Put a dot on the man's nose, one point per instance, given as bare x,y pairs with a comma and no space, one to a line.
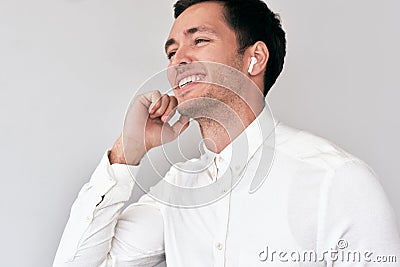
182,56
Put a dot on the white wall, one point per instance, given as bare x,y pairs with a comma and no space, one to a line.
69,68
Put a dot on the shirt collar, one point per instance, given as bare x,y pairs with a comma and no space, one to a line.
247,143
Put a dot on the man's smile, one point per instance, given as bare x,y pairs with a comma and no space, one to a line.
190,79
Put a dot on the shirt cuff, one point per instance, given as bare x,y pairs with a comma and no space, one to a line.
106,175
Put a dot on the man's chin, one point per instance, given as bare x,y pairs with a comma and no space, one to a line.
188,108
198,107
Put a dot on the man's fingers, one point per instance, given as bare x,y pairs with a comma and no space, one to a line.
181,125
163,107
170,110
155,98
162,104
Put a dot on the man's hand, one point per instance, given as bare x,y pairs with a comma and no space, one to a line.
146,127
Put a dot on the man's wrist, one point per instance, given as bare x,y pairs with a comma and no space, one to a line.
116,158
117,155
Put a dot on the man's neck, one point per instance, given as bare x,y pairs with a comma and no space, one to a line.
219,133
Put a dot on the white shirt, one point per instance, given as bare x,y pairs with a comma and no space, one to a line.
314,199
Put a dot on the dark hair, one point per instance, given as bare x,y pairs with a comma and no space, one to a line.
252,21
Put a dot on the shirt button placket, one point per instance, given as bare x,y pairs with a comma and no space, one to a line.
223,206
219,254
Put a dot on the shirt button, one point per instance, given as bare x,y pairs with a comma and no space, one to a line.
218,246
88,219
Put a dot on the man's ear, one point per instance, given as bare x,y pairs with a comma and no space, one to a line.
260,51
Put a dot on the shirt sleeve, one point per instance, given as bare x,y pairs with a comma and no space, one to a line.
98,234
358,224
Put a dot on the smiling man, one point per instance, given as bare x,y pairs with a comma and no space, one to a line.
224,56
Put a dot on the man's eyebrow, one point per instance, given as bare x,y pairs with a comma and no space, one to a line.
169,43
200,29
190,31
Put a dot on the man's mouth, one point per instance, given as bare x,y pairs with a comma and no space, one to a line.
190,79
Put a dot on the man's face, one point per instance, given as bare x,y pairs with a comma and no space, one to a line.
201,34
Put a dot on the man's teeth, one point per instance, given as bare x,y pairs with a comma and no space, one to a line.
188,80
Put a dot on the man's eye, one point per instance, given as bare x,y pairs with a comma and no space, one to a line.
199,41
170,55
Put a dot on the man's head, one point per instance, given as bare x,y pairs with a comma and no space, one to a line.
255,28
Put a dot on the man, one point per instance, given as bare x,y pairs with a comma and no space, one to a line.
316,200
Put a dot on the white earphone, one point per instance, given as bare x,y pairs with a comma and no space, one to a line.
252,63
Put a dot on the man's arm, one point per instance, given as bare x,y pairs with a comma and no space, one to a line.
359,222
97,233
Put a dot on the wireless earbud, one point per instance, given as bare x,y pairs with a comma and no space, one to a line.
252,63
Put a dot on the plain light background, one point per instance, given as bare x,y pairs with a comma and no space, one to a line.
69,68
